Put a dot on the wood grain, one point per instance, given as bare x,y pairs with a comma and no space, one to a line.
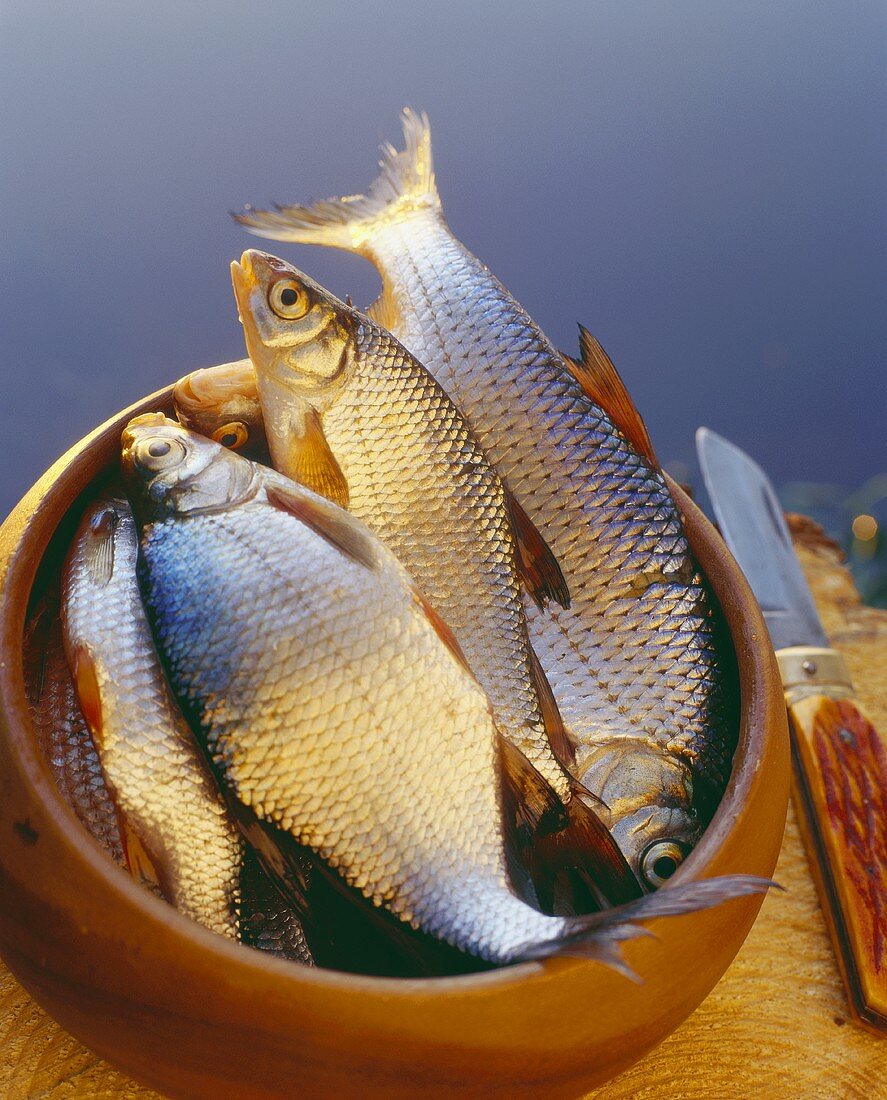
776,1025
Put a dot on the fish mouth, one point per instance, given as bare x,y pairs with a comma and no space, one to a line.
243,279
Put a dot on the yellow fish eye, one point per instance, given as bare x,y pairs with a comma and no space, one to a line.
660,861
233,435
288,299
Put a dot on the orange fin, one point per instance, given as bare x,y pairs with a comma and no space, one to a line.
325,519
601,382
86,683
567,851
536,564
562,744
532,807
141,865
590,859
314,464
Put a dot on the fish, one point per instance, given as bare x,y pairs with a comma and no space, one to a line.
348,412
638,658
265,920
177,835
335,708
222,402
62,733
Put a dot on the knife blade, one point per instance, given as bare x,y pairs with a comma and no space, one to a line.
840,760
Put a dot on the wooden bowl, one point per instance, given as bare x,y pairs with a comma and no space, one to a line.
194,1015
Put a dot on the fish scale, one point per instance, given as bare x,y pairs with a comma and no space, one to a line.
147,751
399,792
624,504
416,475
62,731
661,635
295,790
640,612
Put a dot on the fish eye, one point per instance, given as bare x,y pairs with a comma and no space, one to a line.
288,299
159,453
233,435
660,861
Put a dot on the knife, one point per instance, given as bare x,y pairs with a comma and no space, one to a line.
840,761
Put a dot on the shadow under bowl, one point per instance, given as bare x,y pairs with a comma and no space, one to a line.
195,1015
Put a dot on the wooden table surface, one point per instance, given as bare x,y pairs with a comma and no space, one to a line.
775,1026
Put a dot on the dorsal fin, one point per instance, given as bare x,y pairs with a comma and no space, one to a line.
601,382
327,520
384,310
536,564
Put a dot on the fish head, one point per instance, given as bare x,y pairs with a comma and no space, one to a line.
171,470
297,334
649,795
222,403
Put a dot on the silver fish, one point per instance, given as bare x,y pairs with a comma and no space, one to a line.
265,920
62,732
333,706
354,416
177,833
641,678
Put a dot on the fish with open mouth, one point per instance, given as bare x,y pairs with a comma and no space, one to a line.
337,708
635,654
222,403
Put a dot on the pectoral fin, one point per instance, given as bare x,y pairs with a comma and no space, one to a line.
313,463
562,744
331,523
568,852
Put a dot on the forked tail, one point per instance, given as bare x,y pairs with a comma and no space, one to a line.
405,183
599,935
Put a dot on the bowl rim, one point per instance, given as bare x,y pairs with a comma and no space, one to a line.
755,729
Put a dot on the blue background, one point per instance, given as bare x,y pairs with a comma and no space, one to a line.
701,183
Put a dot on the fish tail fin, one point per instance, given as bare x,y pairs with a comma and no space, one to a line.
599,935
405,182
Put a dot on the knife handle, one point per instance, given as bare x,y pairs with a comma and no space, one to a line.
841,783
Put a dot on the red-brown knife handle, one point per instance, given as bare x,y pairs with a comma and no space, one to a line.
842,780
